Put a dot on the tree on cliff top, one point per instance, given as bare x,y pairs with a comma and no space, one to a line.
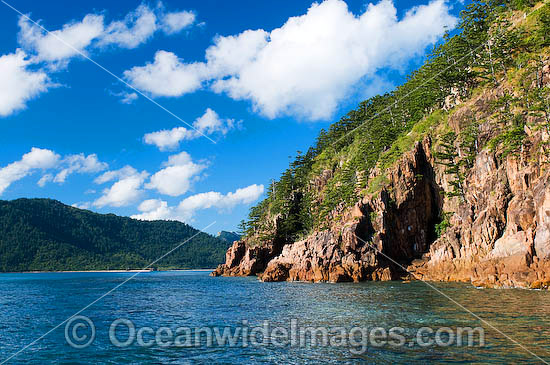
480,52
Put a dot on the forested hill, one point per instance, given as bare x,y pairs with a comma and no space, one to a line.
495,39
229,236
44,234
446,178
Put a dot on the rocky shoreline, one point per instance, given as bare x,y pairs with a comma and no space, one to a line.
498,234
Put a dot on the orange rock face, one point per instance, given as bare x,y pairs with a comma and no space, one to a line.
498,234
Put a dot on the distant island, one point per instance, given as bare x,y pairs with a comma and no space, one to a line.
46,235
229,236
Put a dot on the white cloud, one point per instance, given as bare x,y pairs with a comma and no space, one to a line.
178,175
229,55
107,176
155,209
309,65
44,159
175,22
60,44
18,84
210,123
182,158
36,159
50,52
217,200
128,98
167,75
136,28
312,62
207,124
126,190
85,205
125,97
168,139
80,164
44,180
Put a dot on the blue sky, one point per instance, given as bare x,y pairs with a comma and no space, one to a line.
246,74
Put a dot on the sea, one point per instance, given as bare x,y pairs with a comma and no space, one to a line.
188,317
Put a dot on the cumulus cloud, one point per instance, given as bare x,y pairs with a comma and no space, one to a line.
231,54
167,75
18,84
155,209
44,180
84,205
59,44
136,28
44,160
175,22
128,98
125,97
50,52
177,176
309,65
127,189
107,176
217,200
208,124
168,139
79,164
36,159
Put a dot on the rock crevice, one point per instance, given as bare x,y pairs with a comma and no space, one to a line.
398,221
498,234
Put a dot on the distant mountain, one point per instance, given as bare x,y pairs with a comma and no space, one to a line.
229,236
44,234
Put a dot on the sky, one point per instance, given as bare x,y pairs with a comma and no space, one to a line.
185,110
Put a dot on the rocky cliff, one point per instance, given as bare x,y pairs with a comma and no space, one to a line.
498,234
483,217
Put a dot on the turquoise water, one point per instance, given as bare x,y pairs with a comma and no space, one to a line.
33,304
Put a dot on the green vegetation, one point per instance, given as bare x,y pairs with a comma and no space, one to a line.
509,141
406,142
43,234
457,153
333,173
469,143
229,236
448,156
445,223
511,126
543,31
377,184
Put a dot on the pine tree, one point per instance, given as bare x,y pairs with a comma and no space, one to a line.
448,156
543,32
469,144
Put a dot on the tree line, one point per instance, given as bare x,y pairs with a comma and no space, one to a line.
44,234
483,49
